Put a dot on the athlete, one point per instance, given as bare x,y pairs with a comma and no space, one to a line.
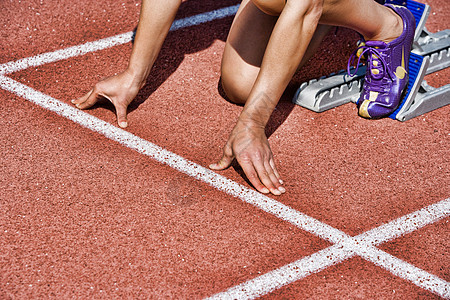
267,43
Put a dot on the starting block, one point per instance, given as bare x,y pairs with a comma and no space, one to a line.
431,53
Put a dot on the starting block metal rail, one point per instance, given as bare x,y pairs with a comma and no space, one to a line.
436,46
431,53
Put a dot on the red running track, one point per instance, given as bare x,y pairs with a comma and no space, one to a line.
87,217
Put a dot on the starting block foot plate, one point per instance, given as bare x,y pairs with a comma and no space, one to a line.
420,98
431,53
417,69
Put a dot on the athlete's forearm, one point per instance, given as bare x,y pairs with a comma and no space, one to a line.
286,48
155,19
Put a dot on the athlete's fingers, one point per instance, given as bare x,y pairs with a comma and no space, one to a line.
274,168
222,164
273,177
81,99
90,101
253,176
225,161
121,112
265,175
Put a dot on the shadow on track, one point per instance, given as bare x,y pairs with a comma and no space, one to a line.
197,38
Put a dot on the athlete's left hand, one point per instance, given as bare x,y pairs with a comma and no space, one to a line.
249,145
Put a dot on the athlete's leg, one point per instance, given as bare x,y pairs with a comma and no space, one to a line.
252,28
369,18
389,41
246,44
385,25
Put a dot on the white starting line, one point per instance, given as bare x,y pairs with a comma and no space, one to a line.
344,246
120,39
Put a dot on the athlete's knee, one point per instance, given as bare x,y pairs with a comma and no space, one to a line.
235,91
236,87
270,7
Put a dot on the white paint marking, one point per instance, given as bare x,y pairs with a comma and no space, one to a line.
109,42
406,271
289,273
62,54
344,248
362,245
408,223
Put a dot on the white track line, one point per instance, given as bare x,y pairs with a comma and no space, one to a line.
109,42
345,246
362,245
328,257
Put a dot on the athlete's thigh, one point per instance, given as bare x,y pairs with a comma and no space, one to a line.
245,47
247,41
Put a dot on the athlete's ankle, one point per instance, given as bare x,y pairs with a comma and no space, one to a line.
391,29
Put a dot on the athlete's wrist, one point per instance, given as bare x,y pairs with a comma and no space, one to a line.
136,76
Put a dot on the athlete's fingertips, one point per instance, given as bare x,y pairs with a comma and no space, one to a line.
82,105
276,192
82,99
265,178
121,112
261,188
268,183
264,190
76,102
278,186
274,168
252,176
275,189
223,163
274,177
89,102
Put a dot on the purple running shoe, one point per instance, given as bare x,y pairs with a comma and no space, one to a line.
386,76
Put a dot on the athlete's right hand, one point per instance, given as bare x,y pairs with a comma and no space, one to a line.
120,89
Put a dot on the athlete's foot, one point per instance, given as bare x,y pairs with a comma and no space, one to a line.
387,69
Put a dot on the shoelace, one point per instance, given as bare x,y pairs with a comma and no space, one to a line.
374,61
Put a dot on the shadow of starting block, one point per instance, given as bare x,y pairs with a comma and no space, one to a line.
431,53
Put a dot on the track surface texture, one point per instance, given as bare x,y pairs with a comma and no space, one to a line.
92,211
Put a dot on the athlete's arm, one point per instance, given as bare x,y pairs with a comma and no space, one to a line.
286,48
155,19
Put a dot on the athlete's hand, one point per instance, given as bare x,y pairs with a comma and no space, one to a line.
120,90
250,147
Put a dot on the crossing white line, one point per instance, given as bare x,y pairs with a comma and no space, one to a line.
328,257
362,245
344,248
109,42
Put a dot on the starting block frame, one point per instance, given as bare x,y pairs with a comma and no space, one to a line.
431,53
